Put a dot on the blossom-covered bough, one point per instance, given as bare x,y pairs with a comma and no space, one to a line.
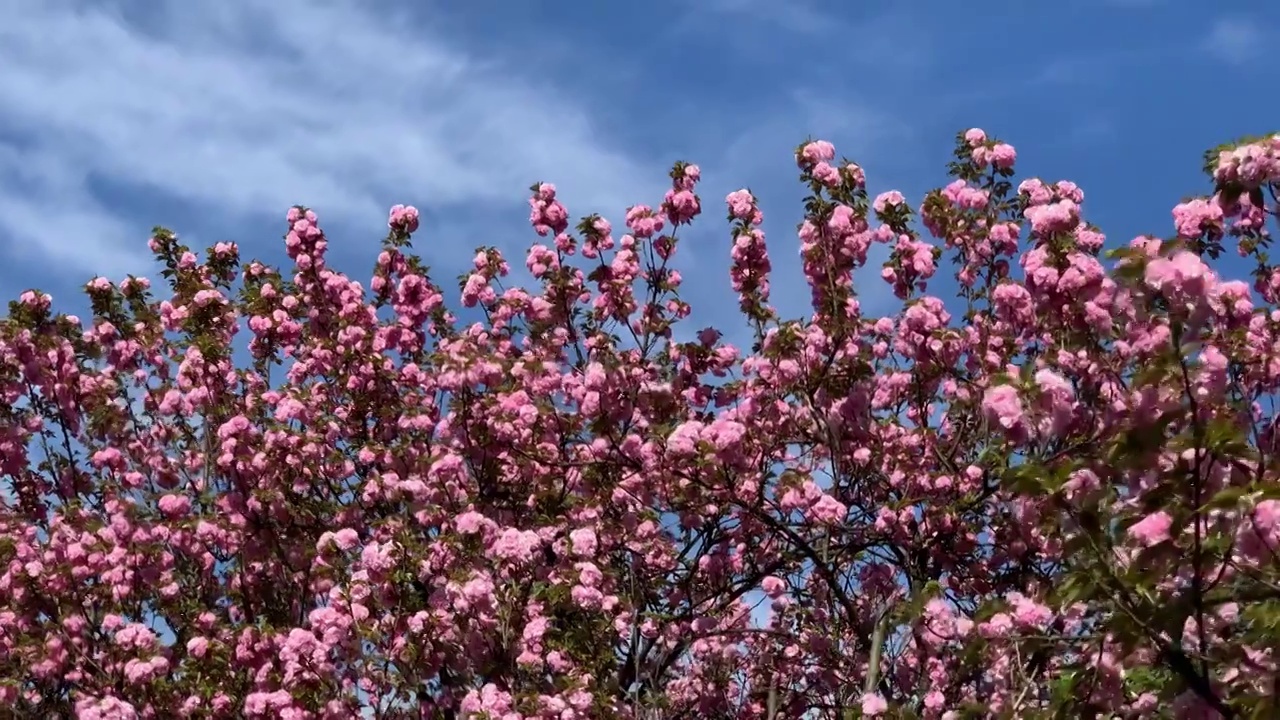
287,495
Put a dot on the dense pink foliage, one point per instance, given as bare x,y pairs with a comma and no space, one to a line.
1055,491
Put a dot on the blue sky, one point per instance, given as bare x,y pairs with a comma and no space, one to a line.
212,118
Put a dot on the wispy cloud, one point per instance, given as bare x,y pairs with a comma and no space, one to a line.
239,109
1234,40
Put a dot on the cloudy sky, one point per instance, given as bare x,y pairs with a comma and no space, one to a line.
212,118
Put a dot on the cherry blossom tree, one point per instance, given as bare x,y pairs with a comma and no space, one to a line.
270,493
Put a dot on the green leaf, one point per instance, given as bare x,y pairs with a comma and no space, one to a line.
1227,499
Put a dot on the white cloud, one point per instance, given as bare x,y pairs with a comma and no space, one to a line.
244,108
1234,40
46,211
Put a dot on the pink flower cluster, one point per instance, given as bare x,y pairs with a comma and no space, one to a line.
1048,491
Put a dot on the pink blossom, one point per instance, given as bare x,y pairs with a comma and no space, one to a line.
1152,529
281,491
874,704
1003,406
